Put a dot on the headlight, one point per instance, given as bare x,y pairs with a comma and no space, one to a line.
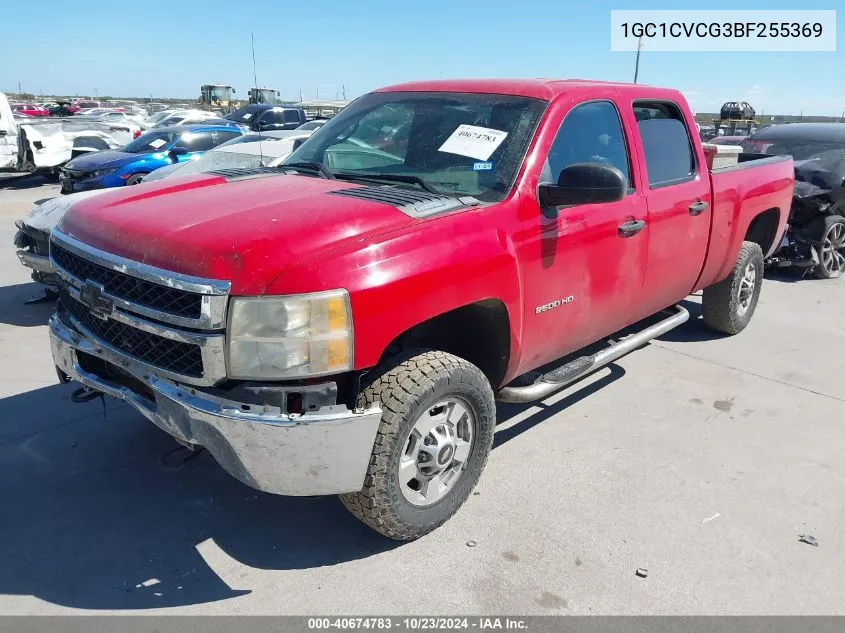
297,336
101,173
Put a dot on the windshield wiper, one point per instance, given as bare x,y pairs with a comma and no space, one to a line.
317,167
412,180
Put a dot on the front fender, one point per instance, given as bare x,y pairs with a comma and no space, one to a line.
401,279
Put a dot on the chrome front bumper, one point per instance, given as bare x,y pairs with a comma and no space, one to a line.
317,453
38,263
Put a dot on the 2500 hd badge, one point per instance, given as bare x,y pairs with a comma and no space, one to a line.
554,304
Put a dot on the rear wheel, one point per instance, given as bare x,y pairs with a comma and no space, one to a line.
831,235
729,305
435,436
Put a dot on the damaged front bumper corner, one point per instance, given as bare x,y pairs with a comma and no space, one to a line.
37,263
321,452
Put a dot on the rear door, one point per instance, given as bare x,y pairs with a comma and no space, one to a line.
584,268
292,119
679,203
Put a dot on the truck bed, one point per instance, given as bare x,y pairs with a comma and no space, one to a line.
756,183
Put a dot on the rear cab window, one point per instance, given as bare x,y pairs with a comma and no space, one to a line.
669,154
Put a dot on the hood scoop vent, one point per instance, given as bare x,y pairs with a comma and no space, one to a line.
233,174
416,204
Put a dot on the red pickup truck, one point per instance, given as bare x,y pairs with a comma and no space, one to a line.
345,323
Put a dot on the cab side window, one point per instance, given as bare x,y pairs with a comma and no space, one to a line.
666,142
590,133
197,141
271,118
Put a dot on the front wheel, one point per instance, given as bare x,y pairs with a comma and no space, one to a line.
134,179
436,432
729,305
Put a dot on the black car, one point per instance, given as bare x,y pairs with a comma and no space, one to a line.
263,117
816,236
736,110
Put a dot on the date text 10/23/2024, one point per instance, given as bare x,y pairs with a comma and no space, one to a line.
417,623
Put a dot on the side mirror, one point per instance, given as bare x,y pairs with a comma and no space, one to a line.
297,143
176,152
584,183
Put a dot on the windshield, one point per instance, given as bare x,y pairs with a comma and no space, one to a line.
150,142
455,143
311,125
799,149
265,96
159,116
221,93
242,115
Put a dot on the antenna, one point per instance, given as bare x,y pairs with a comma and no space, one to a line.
255,79
637,64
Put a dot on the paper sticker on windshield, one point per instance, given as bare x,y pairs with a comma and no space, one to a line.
488,166
157,143
473,141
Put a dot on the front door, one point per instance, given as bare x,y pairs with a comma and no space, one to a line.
584,267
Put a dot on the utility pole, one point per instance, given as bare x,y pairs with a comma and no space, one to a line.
637,63
344,92
19,89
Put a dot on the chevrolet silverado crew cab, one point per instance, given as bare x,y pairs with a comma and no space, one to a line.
344,323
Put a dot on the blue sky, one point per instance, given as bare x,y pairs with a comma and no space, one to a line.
170,48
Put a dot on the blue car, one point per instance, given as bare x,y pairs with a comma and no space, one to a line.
156,148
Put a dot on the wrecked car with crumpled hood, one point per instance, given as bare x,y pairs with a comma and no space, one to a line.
815,240
38,145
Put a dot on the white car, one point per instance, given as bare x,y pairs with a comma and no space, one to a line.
244,152
185,117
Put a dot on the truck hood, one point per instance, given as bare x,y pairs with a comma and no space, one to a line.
244,231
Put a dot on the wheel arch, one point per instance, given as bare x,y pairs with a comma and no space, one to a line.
763,230
479,332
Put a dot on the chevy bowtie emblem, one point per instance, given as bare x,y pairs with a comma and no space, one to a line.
91,294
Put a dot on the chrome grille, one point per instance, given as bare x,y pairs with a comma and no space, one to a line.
132,289
159,321
172,356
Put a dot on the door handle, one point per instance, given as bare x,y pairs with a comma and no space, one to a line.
698,207
631,228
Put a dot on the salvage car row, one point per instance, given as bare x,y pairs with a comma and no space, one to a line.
44,144
341,318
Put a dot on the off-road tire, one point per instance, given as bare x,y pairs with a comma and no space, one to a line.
134,179
720,304
819,228
405,387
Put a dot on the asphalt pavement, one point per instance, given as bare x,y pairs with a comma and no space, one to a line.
699,458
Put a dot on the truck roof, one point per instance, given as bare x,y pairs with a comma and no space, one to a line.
546,89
